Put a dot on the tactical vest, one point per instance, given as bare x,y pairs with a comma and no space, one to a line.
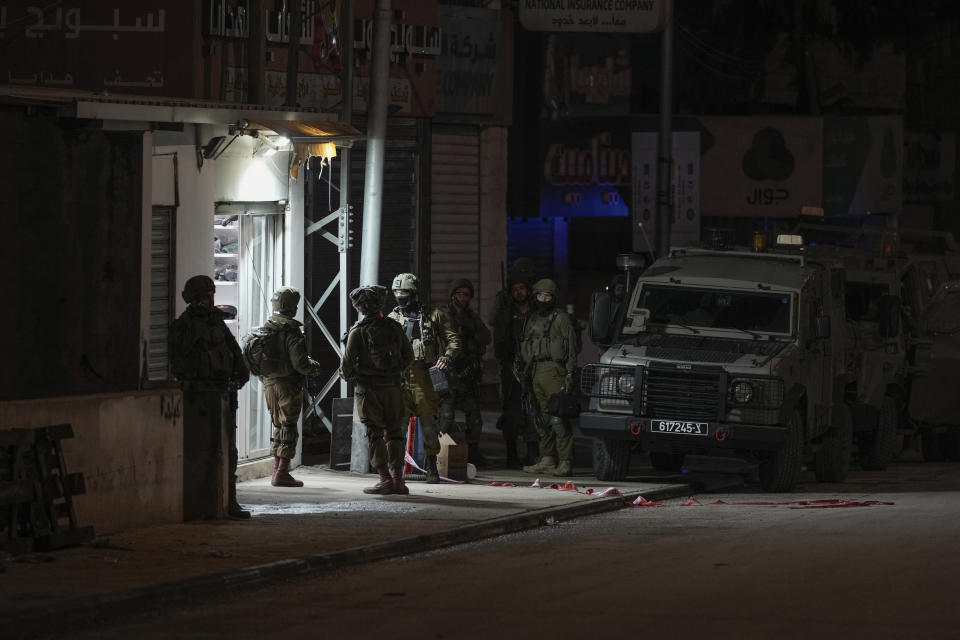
202,347
422,334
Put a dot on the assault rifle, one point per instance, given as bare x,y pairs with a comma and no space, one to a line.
527,400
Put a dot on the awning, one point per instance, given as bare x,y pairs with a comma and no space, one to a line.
307,130
300,125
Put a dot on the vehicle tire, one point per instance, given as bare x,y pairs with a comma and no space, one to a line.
667,461
876,449
930,445
780,470
611,458
832,462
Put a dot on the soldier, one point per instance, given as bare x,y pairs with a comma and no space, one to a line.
507,331
550,346
434,343
283,385
374,359
467,368
206,359
522,268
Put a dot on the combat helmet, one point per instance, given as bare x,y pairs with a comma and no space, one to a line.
196,288
460,283
285,300
368,299
405,281
546,285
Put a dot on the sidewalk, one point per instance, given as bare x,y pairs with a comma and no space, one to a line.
329,523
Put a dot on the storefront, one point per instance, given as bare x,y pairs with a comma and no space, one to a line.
132,197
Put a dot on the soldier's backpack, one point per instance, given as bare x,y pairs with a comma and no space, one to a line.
261,350
380,337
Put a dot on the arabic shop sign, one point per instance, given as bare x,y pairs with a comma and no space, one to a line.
625,16
585,173
129,46
473,77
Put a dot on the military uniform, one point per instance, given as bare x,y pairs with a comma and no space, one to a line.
206,359
433,341
432,338
507,331
377,378
283,387
550,347
467,369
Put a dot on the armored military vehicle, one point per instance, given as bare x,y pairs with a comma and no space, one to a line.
931,303
876,348
903,317
727,352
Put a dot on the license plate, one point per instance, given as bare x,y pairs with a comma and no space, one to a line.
680,427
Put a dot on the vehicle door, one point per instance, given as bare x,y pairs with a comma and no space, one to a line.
936,359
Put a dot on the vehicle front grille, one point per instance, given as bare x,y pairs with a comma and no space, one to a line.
693,356
682,394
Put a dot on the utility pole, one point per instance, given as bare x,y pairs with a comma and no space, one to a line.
665,141
346,112
376,139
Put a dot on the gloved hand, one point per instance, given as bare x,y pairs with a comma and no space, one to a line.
443,363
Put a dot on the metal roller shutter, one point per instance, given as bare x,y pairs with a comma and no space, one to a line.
161,292
455,210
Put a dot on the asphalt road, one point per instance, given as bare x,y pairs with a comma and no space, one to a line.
712,570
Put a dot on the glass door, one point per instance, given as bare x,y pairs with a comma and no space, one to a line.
260,273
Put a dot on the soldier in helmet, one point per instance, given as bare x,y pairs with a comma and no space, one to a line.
550,347
520,270
507,331
206,359
375,356
283,386
434,343
467,368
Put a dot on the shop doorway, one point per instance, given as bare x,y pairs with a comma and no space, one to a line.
248,268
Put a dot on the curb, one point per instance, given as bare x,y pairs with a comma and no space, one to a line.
83,611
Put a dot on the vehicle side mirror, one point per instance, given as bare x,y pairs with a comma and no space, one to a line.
600,316
821,327
889,316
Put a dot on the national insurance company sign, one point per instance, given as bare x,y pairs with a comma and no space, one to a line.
624,16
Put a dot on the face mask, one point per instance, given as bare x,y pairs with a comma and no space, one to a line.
404,300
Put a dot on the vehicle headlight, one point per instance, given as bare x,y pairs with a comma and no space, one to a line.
742,391
625,384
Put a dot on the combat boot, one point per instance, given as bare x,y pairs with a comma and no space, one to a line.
385,486
546,465
433,476
282,477
564,468
399,487
513,460
533,452
234,510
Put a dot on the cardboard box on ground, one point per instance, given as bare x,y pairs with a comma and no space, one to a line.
452,461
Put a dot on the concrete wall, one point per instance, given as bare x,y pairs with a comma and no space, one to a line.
128,447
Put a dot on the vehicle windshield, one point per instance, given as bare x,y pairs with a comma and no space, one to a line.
716,308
